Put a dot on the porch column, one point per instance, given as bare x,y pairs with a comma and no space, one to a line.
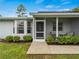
15,25
33,30
45,28
25,27
56,26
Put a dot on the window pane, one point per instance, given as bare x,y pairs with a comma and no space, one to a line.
54,26
28,27
28,23
60,26
28,31
20,31
20,27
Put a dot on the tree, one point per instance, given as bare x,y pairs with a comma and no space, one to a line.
21,10
0,15
76,9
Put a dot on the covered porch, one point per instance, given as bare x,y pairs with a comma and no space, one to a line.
62,26
45,24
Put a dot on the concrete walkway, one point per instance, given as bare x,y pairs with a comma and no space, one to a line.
38,48
43,48
64,49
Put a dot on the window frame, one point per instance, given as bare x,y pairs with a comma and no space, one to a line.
18,28
54,26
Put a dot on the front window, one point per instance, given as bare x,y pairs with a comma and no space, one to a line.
28,27
20,27
60,26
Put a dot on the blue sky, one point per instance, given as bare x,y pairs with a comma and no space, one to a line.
8,7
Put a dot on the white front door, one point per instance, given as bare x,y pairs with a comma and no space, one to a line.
40,30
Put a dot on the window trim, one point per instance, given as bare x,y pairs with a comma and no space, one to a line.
18,27
25,27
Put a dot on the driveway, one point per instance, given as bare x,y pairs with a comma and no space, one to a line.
43,48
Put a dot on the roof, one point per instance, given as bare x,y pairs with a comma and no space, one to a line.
16,18
58,12
55,13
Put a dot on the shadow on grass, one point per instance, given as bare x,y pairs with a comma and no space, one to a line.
53,56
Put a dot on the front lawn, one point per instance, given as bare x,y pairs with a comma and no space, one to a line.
18,51
13,50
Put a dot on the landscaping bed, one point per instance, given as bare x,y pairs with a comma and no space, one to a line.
17,39
63,40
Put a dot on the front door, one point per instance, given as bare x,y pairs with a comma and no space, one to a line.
40,30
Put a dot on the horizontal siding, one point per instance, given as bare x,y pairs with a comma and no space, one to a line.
6,28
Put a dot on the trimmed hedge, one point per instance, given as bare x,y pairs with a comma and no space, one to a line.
16,38
9,38
75,39
68,39
12,38
28,38
63,40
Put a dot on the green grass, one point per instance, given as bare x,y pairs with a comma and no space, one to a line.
18,51
13,50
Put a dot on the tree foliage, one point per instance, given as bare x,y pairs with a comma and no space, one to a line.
0,15
75,9
21,10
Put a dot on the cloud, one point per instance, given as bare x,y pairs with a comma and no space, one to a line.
43,9
49,6
39,1
64,3
65,9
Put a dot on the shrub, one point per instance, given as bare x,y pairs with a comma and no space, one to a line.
50,39
16,38
64,40
9,38
75,39
27,38
61,40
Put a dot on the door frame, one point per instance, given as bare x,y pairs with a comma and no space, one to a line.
44,30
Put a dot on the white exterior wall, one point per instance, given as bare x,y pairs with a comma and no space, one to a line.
75,26
66,25
69,25
6,28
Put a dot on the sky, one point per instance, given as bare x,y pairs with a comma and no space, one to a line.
8,7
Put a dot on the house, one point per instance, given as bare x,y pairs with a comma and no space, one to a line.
40,25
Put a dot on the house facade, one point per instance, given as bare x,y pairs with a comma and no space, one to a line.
40,25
